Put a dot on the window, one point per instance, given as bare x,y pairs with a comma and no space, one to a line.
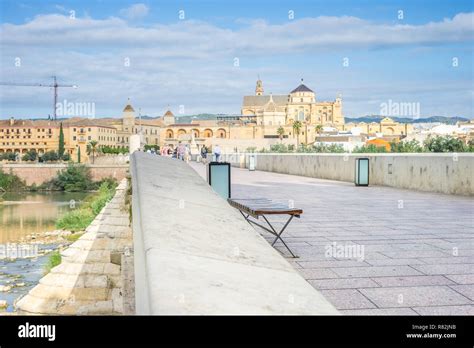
74,138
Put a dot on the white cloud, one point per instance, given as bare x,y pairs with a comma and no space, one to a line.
191,62
136,11
303,35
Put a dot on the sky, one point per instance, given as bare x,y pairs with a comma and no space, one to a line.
203,56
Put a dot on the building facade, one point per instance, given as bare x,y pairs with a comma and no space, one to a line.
264,120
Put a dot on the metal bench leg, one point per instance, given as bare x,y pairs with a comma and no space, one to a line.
278,234
246,217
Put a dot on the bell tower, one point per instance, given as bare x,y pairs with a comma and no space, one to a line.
128,117
259,87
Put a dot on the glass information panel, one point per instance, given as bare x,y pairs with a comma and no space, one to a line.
219,178
362,172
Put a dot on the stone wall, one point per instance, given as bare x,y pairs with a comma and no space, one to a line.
112,159
94,274
39,173
436,172
195,254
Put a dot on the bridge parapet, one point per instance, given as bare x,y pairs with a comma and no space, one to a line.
194,254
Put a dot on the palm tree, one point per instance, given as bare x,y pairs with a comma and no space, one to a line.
318,129
297,128
280,132
91,148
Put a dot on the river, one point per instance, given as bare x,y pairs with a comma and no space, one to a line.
22,215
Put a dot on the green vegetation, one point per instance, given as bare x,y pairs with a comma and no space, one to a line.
53,260
61,141
92,149
297,129
11,182
318,129
303,148
74,236
406,146
322,148
113,150
8,156
75,178
371,148
50,156
432,144
151,147
251,149
447,144
79,219
30,156
280,132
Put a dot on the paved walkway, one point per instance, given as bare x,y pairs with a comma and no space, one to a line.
414,251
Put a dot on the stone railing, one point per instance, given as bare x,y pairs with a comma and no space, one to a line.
450,173
194,254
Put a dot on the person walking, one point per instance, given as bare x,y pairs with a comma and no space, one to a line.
187,153
217,152
181,151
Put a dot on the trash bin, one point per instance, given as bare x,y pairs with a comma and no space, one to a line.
362,172
252,162
218,176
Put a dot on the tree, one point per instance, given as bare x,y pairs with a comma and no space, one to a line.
8,156
406,146
444,144
297,128
92,148
318,129
280,132
61,141
371,148
30,156
79,154
76,177
50,156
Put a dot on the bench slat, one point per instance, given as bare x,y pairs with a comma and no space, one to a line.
262,206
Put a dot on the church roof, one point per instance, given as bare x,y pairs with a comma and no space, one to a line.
168,113
128,108
261,100
301,88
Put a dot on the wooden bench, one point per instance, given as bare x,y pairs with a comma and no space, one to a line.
261,207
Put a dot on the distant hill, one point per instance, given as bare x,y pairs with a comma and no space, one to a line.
441,119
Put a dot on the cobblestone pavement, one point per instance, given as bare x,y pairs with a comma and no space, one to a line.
374,250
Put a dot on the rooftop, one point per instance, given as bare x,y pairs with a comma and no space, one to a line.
301,88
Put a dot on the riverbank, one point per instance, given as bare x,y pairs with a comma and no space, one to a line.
24,259
96,272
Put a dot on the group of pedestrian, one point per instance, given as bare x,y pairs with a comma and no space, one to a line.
216,152
183,152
